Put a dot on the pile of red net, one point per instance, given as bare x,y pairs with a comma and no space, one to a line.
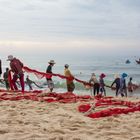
109,103
110,106
36,96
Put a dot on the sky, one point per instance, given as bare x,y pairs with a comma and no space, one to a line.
70,27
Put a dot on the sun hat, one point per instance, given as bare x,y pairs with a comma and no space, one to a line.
66,65
93,74
124,75
102,75
116,75
10,57
51,62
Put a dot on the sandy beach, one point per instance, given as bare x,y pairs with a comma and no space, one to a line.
69,48
37,120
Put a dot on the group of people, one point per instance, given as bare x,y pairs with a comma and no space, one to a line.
16,67
121,86
69,81
98,85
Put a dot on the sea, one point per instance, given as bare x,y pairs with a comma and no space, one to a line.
81,68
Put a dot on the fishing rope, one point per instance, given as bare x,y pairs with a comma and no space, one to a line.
41,75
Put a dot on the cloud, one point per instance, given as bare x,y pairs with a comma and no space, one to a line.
41,19
70,48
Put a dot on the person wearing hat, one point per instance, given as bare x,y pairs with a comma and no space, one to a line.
69,81
16,67
123,88
102,84
49,79
117,83
95,82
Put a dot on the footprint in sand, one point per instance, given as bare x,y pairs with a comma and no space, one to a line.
135,138
3,131
73,128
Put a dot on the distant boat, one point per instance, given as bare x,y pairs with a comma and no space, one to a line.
127,61
138,61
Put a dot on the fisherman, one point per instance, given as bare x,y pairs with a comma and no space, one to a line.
0,67
29,82
69,82
130,85
49,79
16,67
5,77
123,89
96,86
102,84
117,83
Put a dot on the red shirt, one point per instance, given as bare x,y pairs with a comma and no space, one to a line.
16,66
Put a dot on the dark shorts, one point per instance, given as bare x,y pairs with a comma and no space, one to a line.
71,87
50,84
